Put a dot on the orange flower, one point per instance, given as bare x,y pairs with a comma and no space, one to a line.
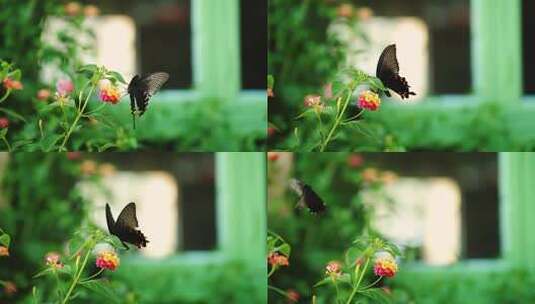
4,251
43,94
275,259
369,100
72,8
109,92
370,175
88,167
10,288
91,11
107,169
11,84
108,260
385,265
345,10
273,156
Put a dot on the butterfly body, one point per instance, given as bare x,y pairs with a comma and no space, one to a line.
388,72
141,89
308,197
125,226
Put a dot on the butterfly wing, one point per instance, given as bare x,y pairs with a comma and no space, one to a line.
141,90
109,219
312,200
388,72
307,197
125,227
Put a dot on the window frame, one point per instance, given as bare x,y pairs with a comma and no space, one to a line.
516,173
241,229
216,75
496,52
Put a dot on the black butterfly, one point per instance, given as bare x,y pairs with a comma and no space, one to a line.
307,197
141,89
125,226
388,72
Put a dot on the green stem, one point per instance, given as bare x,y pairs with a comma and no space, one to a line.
372,284
356,287
59,289
337,121
337,290
278,290
4,139
93,276
8,91
272,271
80,113
77,277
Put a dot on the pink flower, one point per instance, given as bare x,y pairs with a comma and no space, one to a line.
369,100
107,260
12,84
53,259
385,265
4,251
108,92
43,94
334,268
293,295
312,101
355,160
64,87
4,122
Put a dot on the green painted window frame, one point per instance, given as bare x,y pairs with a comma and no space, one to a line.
241,232
216,76
517,194
497,92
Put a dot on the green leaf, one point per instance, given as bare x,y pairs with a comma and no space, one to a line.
102,288
325,281
270,81
88,67
13,114
377,294
43,273
5,240
117,76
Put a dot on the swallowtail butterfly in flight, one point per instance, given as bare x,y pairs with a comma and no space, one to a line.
388,72
307,197
125,226
141,89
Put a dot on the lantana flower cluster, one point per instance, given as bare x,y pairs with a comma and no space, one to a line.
107,259
369,100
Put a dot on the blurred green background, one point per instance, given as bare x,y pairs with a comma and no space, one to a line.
460,219
206,233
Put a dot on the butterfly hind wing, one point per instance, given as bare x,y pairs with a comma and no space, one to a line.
313,201
388,72
125,227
